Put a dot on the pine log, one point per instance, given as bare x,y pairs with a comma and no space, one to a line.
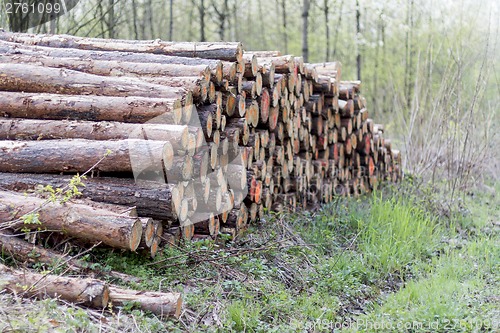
27,129
282,64
80,221
104,67
150,198
182,63
78,155
23,251
30,78
162,304
87,292
94,108
229,51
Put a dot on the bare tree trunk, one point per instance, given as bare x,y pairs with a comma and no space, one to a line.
102,19
111,18
235,20
326,11
134,18
358,32
191,20
305,24
339,24
376,66
171,22
285,31
52,23
262,24
222,15
148,17
384,60
201,10
409,56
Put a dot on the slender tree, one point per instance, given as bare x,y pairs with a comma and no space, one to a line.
110,22
339,26
285,31
149,17
221,14
305,24
409,55
202,12
358,36
171,20
376,69
134,18
326,12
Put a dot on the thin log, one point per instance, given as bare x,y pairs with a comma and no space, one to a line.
23,251
229,51
104,67
216,66
89,292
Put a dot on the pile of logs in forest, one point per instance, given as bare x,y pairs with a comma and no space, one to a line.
171,130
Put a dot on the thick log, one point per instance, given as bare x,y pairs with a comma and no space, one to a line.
87,292
200,89
229,51
27,129
92,108
80,221
282,64
331,69
251,65
150,198
75,155
30,78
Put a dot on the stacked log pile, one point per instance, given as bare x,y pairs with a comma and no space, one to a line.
183,140
238,131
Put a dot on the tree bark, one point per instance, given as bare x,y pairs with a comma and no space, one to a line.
140,58
26,129
105,67
79,221
358,33
284,23
23,251
92,108
87,292
162,304
38,79
305,24
78,155
326,11
229,51
171,21
151,199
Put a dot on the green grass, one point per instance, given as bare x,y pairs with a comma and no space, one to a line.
399,257
396,234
